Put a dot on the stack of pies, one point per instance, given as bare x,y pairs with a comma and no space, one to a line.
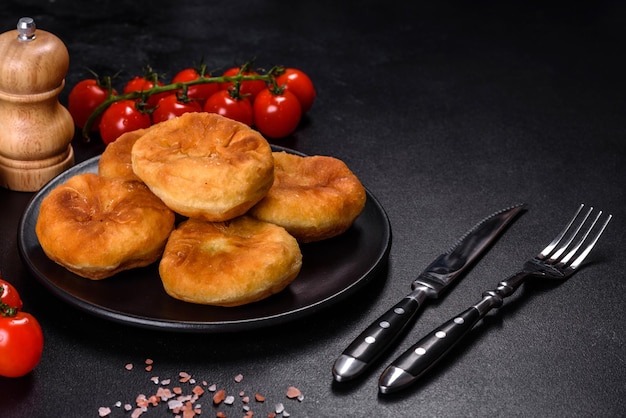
243,210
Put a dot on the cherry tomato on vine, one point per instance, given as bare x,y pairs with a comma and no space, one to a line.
224,104
9,295
142,84
249,88
170,107
83,99
199,92
21,344
276,115
122,117
298,83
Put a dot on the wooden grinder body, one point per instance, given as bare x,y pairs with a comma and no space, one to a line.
35,129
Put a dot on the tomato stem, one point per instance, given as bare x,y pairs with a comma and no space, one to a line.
7,311
269,78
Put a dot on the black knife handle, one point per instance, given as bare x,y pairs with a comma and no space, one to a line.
425,353
377,338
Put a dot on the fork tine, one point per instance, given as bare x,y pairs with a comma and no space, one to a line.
550,248
590,245
580,241
558,253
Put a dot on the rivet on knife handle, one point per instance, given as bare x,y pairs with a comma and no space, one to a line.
430,284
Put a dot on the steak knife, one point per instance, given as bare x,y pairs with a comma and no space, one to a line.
430,284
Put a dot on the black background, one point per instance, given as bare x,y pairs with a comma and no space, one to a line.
447,111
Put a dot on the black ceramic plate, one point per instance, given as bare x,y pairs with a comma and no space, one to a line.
332,270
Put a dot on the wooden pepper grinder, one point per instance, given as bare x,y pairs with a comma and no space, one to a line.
35,129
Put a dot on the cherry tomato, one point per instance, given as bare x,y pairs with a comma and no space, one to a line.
276,115
9,295
300,85
142,84
121,117
21,344
199,92
249,88
170,107
224,104
83,99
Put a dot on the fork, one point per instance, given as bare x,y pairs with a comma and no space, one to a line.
558,261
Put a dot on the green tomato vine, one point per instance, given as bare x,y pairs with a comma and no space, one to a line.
268,77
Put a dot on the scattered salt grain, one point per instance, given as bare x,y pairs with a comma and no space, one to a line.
279,408
239,378
229,400
185,398
259,398
129,366
164,394
118,404
219,396
198,391
293,392
174,403
213,388
141,400
103,411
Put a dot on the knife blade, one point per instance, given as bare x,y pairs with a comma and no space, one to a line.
430,284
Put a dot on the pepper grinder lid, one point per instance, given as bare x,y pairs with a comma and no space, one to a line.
33,60
26,29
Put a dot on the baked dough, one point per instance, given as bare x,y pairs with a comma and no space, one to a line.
228,263
313,198
96,226
115,161
206,166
